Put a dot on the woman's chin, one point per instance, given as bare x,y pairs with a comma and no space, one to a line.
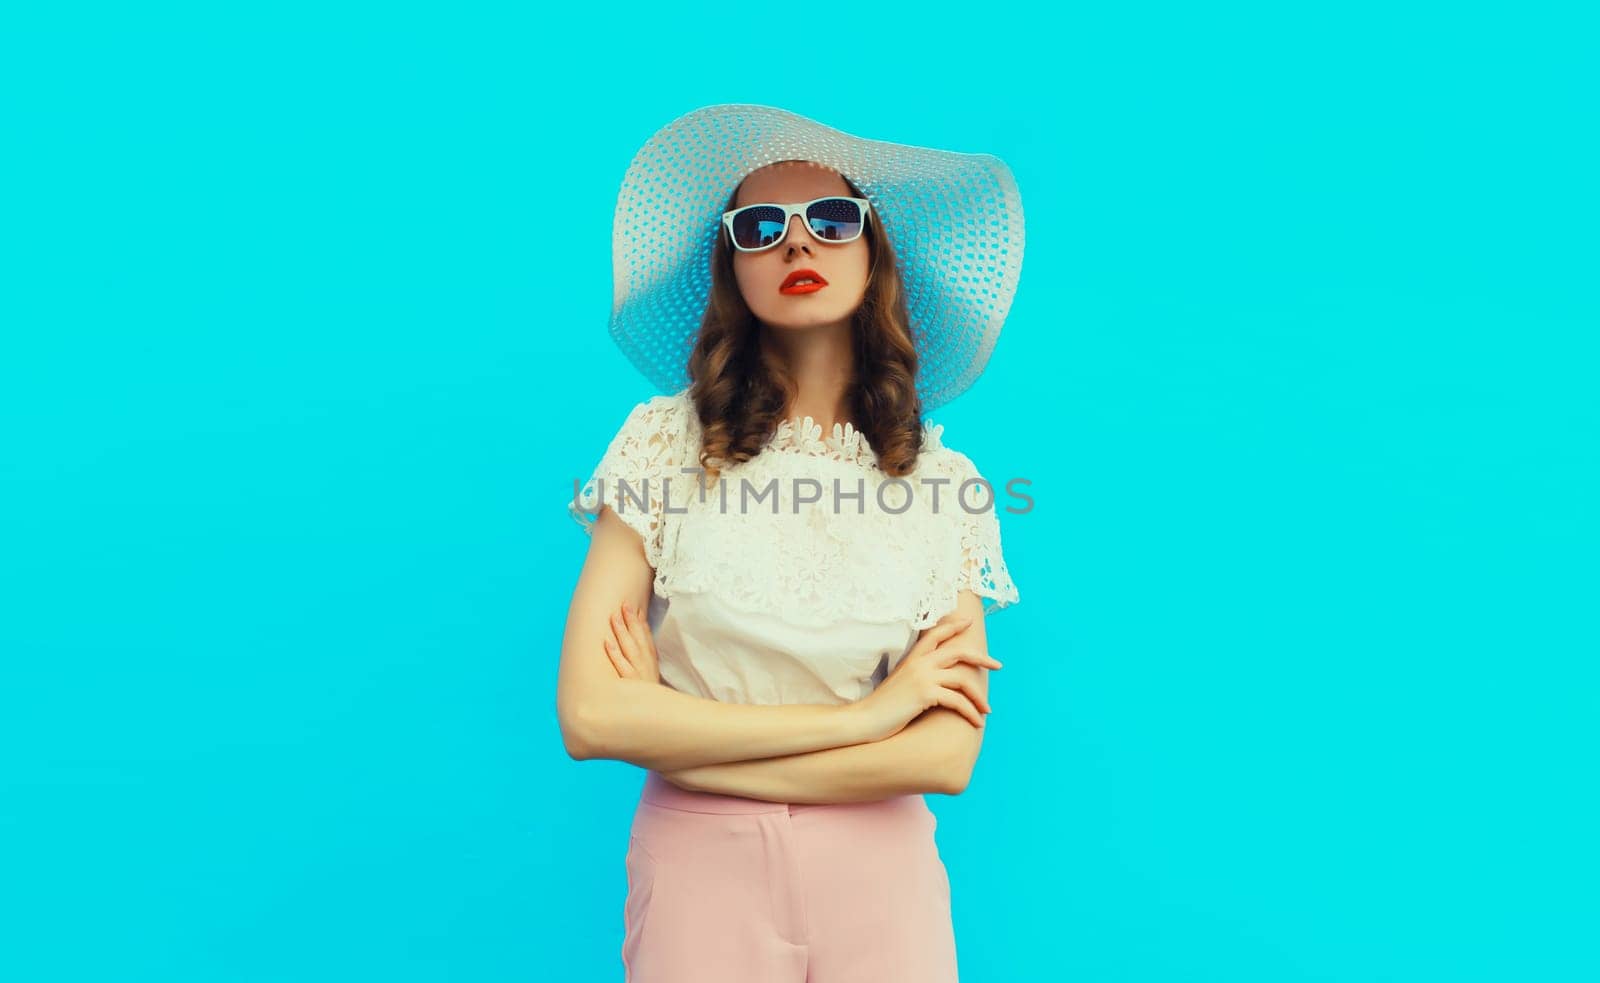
803,320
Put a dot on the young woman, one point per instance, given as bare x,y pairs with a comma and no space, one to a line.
781,612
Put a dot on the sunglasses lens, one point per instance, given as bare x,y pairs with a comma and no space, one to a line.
757,226
835,219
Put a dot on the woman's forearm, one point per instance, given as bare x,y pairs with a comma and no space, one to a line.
933,753
656,727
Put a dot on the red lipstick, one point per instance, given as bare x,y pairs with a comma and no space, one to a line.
792,285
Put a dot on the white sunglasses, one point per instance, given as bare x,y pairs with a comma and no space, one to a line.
834,219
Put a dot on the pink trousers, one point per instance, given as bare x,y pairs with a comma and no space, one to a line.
723,889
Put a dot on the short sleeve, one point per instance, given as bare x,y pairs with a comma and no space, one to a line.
983,566
632,474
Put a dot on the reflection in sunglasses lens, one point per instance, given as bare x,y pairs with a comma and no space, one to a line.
834,218
758,226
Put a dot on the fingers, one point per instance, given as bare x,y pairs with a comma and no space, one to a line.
945,629
624,640
972,656
618,661
957,621
638,626
941,631
955,625
967,686
959,702
622,634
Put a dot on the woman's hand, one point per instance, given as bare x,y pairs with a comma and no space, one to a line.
630,646
927,677
685,778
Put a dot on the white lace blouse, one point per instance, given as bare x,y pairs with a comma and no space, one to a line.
804,574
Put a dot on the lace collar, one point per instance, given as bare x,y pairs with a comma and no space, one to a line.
843,443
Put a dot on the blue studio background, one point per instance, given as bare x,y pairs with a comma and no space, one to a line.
303,312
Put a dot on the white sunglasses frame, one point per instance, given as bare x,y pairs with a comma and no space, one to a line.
789,212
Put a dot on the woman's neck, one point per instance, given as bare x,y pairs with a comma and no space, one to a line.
821,360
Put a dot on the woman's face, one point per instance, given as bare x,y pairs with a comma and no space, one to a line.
842,266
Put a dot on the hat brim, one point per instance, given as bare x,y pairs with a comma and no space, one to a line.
955,220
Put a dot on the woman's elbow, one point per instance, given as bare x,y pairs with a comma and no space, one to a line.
581,731
954,777
957,766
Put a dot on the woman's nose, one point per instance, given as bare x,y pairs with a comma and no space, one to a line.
799,233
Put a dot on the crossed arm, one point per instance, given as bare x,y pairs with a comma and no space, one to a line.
936,752
793,753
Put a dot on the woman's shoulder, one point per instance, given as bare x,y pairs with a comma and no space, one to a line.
982,568
663,407
659,425
939,457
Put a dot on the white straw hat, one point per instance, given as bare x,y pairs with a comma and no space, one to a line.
955,220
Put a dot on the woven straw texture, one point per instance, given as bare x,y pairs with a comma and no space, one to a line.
955,220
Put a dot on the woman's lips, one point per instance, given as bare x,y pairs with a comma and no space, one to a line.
803,288
790,286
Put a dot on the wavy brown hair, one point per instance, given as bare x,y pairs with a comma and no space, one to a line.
740,385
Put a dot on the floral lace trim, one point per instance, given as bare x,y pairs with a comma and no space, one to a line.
983,571
843,442
810,569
